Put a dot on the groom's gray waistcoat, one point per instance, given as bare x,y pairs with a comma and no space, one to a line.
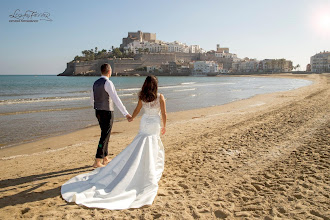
102,100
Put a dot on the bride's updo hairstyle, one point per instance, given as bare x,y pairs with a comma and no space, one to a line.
149,89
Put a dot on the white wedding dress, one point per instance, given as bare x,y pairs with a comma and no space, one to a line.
130,180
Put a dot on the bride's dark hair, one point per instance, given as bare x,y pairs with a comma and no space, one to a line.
149,89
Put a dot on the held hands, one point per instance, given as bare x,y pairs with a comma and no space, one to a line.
163,130
129,118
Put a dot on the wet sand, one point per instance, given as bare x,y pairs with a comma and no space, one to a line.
266,157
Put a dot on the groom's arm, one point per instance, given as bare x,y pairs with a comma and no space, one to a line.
110,88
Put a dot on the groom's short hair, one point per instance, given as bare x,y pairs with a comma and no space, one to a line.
105,68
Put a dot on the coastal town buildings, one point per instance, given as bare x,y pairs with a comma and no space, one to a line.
224,53
247,65
177,47
204,67
138,47
173,68
231,56
222,56
195,49
276,65
320,62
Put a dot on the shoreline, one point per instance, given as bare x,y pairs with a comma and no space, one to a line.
25,139
266,157
19,147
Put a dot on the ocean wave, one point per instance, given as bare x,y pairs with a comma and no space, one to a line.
168,87
79,92
129,89
182,90
227,83
18,94
44,110
44,99
128,94
187,83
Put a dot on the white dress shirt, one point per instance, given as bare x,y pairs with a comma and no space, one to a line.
110,89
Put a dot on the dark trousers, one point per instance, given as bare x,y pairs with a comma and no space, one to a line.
105,119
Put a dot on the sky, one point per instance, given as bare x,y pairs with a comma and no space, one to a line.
272,29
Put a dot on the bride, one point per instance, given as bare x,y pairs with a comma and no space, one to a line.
130,180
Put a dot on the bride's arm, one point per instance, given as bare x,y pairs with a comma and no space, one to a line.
137,109
163,110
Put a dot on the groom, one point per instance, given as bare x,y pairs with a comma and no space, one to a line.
103,97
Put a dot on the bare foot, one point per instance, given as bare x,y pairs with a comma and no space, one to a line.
98,163
105,161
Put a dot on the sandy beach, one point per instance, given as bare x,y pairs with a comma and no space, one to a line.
266,157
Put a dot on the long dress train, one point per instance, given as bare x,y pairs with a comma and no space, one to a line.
130,180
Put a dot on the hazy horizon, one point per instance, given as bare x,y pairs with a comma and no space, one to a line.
294,30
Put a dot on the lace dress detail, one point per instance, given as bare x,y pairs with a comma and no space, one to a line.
152,108
150,121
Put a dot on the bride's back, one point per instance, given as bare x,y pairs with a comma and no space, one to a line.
150,121
152,108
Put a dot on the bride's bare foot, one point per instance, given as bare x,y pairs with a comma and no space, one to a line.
105,161
98,163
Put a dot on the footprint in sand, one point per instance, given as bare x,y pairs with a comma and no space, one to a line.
25,210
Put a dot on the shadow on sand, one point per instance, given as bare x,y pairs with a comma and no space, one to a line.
28,195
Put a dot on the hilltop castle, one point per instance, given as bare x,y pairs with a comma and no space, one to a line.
138,36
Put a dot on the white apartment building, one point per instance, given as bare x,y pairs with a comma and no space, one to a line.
203,67
266,65
225,55
275,65
249,66
176,46
194,49
320,62
246,66
133,47
161,47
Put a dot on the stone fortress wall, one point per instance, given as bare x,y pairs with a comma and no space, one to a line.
86,68
121,65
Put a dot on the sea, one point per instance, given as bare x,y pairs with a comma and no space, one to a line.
38,106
